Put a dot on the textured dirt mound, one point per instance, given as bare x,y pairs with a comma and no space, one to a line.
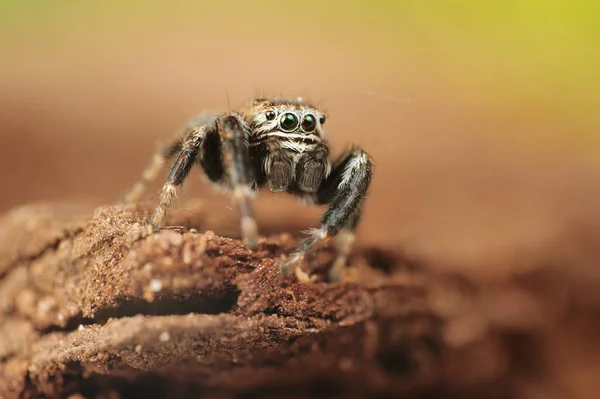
94,305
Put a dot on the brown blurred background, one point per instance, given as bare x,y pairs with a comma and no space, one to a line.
481,117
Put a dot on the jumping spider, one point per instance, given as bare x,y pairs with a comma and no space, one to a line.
277,142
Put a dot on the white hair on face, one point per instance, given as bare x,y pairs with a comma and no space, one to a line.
267,164
262,125
298,146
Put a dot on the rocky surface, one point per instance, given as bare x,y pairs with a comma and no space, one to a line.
93,305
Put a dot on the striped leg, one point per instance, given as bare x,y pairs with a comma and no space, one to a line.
189,149
236,161
344,242
344,191
162,156
159,159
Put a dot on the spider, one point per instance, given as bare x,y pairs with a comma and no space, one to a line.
279,143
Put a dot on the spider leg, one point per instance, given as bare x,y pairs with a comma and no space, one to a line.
236,160
163,154
344,242
189,149
151,171
344,191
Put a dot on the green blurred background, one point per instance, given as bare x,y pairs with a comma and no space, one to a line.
87,88
495,53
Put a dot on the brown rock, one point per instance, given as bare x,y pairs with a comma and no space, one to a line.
95,306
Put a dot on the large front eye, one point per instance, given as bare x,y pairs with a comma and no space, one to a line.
309,123
288,122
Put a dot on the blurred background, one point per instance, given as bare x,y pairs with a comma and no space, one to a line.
478,114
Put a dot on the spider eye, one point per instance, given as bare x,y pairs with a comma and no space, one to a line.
288,122
309,123
322,120
270,115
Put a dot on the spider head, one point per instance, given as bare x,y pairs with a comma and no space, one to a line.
277,115
292,133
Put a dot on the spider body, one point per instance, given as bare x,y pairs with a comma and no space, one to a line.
277,143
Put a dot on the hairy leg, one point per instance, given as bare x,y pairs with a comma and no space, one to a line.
236,161
162,156
344,191
149,174
179,170
344,242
